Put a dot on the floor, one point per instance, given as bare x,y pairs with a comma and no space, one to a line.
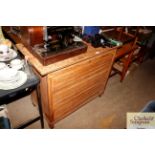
108,111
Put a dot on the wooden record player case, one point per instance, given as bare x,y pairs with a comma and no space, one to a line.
33,35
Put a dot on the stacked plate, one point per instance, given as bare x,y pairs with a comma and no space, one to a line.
3,65
11,78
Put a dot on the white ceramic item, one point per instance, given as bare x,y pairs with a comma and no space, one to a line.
9,56
4,50
12,85
8,74
3,65
16,64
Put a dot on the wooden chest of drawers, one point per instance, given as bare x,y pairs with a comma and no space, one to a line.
71,87
69,84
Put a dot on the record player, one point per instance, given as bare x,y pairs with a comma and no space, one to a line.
50,43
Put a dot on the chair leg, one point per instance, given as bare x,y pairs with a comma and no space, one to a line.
141,55
125,68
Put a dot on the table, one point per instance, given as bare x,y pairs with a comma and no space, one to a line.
7,96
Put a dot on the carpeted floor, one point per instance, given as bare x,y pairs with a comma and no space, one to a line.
108,111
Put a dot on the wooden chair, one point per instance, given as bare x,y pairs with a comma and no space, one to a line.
129,52
124,57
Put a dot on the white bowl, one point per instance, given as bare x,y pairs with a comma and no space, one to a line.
16,64
8,74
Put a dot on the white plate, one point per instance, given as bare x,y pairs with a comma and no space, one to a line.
3,65
11,80
8,74
18,83
11,55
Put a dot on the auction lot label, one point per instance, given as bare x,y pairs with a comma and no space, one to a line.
141,120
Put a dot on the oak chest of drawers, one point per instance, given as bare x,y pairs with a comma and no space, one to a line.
69,84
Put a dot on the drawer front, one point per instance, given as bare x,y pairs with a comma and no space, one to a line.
76,85
74,104
73,91
71,75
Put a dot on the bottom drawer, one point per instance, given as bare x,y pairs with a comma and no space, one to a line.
69,106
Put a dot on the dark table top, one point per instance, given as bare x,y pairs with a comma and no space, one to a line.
32,81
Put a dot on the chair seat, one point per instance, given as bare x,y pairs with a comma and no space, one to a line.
118,66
